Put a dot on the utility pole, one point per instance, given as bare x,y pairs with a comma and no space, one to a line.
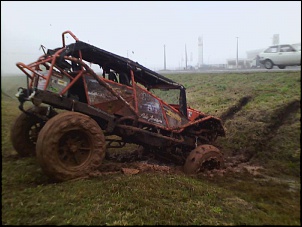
237,54
186,57
200,51
164,57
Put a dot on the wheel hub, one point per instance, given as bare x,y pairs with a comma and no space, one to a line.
73,148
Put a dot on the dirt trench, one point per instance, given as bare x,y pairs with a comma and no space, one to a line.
231,111
277,119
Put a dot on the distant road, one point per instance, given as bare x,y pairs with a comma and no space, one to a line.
275,69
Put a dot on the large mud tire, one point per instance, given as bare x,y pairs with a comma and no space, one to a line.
25,130
71,145
204,157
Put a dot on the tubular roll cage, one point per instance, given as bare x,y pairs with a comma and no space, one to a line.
59,54
79,52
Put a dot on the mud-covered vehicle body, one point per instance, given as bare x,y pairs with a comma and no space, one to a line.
127,100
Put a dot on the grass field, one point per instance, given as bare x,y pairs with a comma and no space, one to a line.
261,113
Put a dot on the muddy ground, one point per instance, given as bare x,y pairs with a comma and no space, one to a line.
135,162
132,162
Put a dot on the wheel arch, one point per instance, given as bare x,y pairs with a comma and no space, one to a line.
209,122
269,60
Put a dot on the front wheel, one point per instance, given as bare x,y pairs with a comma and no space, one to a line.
26,128
69,146
268,64
281,66
203,157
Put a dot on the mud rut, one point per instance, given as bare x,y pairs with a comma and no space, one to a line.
134,161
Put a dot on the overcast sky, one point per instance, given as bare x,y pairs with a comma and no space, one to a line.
139,30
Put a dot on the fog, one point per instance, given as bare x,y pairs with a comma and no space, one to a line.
140,30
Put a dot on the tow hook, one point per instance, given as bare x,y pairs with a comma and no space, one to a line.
32,95
20,92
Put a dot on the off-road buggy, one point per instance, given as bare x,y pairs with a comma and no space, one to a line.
76,112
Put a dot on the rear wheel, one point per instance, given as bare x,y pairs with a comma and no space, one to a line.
71,145
281,66
202,158
268,64
25,130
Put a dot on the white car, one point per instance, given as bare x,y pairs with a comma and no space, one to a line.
281,56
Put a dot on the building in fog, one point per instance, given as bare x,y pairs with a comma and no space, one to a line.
253,61
242,63
276,39
297,46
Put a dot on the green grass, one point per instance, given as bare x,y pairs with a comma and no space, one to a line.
249,130
258,130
